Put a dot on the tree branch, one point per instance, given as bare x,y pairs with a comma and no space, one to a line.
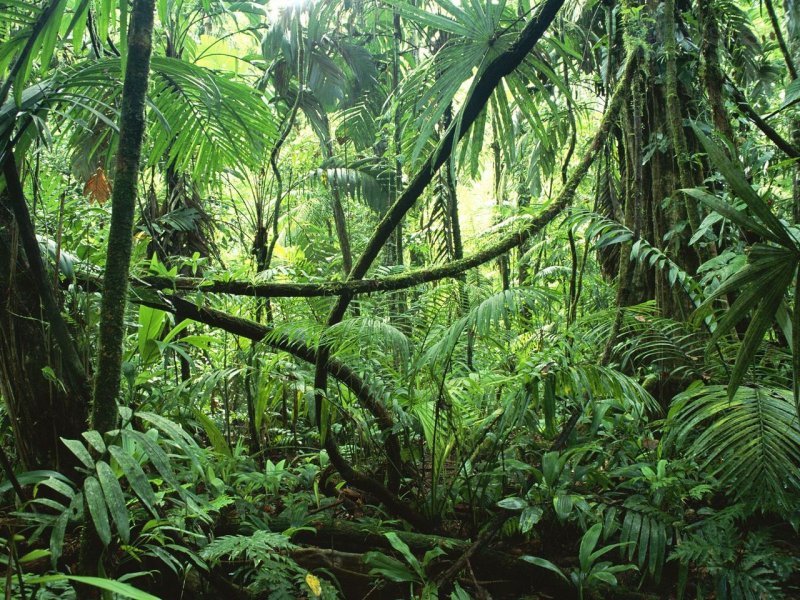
782,143
297,348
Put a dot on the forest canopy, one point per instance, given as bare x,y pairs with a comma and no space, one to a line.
399,299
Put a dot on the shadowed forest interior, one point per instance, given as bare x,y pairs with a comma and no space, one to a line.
400,299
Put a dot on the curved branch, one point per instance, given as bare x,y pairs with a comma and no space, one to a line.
263,333
416,276
475,104
499,68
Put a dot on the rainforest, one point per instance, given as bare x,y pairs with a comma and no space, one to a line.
387,299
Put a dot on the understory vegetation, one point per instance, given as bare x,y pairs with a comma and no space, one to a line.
399,299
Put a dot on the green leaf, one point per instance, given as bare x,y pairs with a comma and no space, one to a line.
34,555
605,577
563,504
751,442
95,440
530,517
50,35
735,177
80,452
403,549
545,564
588,543
115,500
761,322
136,478
117,587
729,212
151,323
791,95
57,537
428,19
215,436
551,468
512,503
389,567
97,508
175,433
159,459
33,477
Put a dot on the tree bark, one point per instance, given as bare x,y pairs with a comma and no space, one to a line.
675,114
41,409
104,414
123,207
713,78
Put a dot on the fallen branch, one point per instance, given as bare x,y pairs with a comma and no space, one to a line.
484,538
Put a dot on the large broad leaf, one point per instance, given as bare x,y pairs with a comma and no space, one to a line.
115,500
215,436
761,287
202,121
176,434
545,564
80,452
738,217
136,478
403,549
158,458
389,567
116,587
151,323
97,509
588,543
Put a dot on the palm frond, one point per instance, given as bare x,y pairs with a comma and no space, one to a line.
355,336
366,180
203,122
750,441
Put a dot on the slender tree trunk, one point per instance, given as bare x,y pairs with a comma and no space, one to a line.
340,222
503,265
104,414
339,219
399,300
123,208
776,27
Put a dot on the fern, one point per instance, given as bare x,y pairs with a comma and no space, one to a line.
262,560
749,567
259,548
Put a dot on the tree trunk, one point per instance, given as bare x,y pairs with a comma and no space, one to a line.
104,415
42,402
123,208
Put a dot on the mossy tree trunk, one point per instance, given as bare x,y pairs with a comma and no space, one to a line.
104,414
123,207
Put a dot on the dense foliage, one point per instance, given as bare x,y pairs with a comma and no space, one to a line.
399,298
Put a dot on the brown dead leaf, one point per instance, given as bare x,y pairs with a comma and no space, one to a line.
97,189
